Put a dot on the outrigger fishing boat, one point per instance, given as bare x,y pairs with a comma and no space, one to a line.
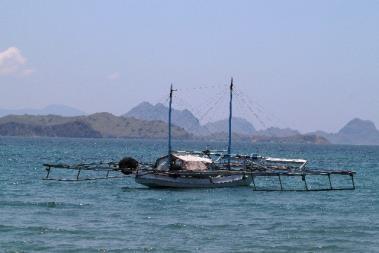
210,169
191,169
205,169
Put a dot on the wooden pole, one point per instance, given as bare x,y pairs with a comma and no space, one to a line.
48,172
230,122
280,181
169,127
305,182
330,182
77,176
255,188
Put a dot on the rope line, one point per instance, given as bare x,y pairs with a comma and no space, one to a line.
251,110
269,116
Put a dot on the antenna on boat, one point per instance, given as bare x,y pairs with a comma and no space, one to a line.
169,126
230,121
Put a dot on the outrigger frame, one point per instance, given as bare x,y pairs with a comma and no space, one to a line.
106,167
255,173
303,175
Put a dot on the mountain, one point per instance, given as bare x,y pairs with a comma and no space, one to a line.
70,129
99,125
287,135
357,131
150,121
223,137
294,139
96,125
61,110
186,120
181,118
239,125
277,132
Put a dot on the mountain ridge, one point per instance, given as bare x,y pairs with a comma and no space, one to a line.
182,118
187,120
240,126
185,126
98,125
355,132
277,132
53,109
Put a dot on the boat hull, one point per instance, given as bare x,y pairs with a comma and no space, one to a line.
165,181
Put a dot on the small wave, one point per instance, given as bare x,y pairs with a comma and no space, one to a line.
48,204
132,189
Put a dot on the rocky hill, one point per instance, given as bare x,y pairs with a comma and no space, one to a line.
186,120
150,121
277,132
240,126
359,131
355,132
69,129
106,125
96,125
294,139
181,118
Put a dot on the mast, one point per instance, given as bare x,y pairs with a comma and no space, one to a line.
169,126
230,121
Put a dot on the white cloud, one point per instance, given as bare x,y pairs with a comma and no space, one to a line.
12,62
114,76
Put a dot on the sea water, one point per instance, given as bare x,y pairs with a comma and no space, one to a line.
120,216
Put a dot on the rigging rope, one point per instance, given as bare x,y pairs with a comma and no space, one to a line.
210,103
212,106
269,116
200,103
213,102
250,109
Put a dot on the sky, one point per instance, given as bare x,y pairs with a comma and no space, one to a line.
308,65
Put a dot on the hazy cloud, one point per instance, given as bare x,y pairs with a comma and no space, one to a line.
114,76
27,72
13,62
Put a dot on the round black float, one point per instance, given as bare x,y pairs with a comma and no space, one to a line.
127,165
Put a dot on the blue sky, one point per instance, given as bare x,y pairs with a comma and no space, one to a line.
309,64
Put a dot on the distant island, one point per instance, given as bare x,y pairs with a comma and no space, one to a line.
98,125
55,109
150,121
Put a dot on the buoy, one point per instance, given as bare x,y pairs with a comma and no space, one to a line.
127,165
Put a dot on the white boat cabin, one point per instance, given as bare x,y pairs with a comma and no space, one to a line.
188,162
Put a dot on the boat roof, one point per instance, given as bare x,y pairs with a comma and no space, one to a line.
285,160
192,158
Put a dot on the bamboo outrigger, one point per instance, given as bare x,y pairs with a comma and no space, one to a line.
246,172
206,169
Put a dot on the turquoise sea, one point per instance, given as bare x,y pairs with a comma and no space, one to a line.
121,216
